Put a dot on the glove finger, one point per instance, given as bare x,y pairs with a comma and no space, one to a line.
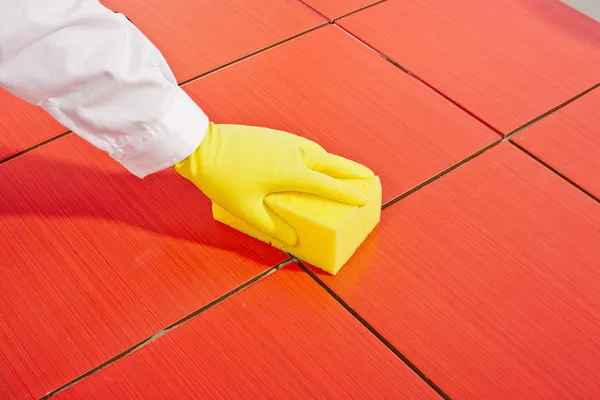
336,166
258,215
319,184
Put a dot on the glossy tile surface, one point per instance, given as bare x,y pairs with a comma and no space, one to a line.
95,260
196,36
283,338
488,281
569,141
23,125
507,61
328,87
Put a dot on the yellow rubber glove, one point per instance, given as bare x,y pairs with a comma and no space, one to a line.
238,166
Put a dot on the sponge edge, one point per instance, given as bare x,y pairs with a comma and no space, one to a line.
328,232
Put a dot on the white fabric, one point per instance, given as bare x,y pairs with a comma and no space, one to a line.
98,75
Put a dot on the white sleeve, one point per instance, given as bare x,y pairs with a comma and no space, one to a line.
98,75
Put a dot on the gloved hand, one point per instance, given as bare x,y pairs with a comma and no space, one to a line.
238,166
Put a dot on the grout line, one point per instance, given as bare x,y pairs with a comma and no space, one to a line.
554,170
501,140
254,53
422,81
456,103
28,149
547,113
440,174
313,9
450,99
181,84
332,20
170,327
374,50
359,10
373,331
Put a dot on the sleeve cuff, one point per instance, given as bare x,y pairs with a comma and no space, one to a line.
178,134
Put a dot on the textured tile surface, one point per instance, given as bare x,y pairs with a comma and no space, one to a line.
507,61
328,87
488,281
336,8
95,260
23,125
284,338
196,36
569,141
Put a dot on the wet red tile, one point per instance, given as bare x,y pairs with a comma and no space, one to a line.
196,36
568,141
23,125
284,337
95,260
488,281
507,61
330,88
336,8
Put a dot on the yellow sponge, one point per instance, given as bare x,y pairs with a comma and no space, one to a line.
328,232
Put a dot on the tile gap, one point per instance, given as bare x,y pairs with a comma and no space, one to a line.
313,9
554,170
549,112
440,174
182,83
35,146
254,53
359,10
455,103
371,48
421,81
168,328
373,331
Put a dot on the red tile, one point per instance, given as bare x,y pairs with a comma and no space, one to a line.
282,338
196,36
328,87
568,140
488,281
23,125
336,8
507,61
95,260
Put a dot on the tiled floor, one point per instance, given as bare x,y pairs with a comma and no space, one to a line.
568,141
482,280
506,61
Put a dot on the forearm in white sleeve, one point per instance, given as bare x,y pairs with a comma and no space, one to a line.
98,75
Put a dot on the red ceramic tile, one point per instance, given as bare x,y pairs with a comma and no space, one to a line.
488,281
336,8
568,140
196,36
23,125
95,260
282,338
507,61
330,88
